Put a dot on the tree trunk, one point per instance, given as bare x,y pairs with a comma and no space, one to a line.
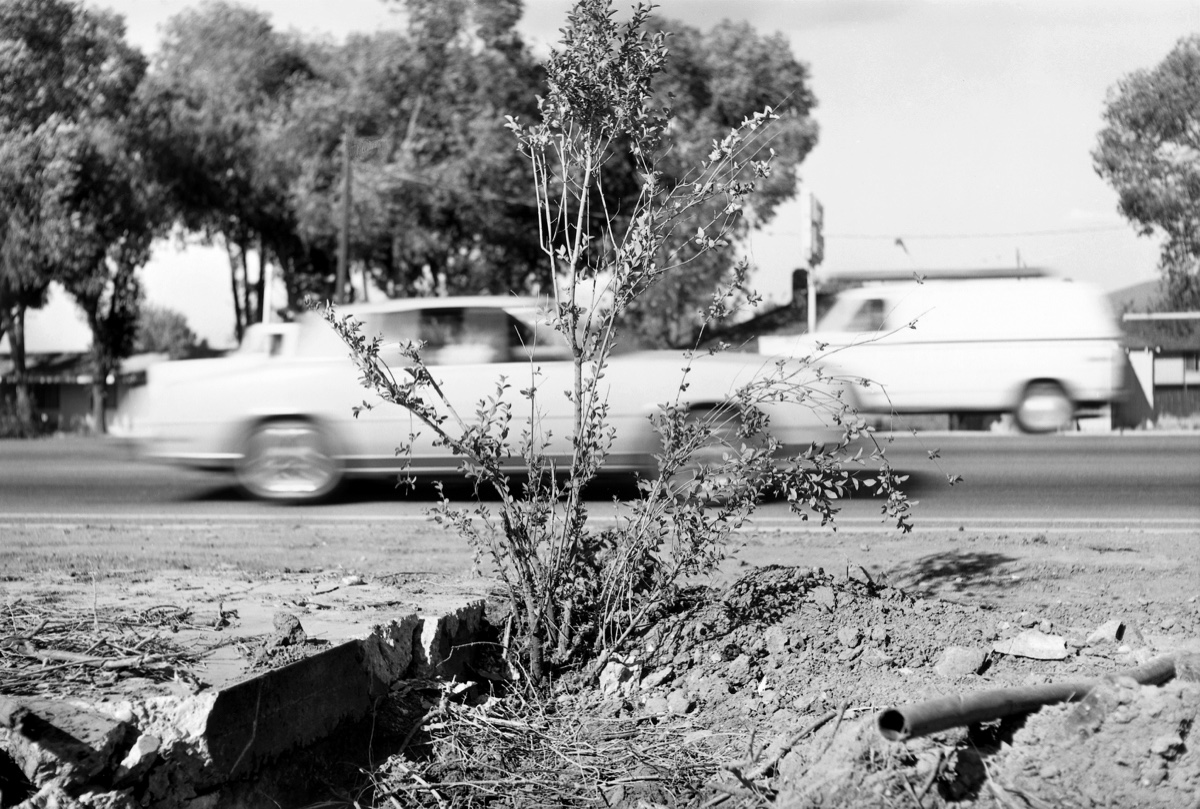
16,339
239,323
99,404
260,286
248,306
100,367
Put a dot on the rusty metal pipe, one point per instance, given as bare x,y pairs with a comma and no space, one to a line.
923,718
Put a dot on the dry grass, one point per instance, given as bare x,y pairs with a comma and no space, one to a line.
48,650
558,753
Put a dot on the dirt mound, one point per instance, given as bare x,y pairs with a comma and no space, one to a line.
791,666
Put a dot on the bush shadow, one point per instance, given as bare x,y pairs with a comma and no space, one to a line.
959,569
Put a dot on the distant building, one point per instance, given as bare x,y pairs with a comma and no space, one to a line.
1164,354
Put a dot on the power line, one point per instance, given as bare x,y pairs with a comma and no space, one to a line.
947,236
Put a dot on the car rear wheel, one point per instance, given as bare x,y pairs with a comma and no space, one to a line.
1044,408
723,441
289,461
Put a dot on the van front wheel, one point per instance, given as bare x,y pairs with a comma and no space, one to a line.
1044,408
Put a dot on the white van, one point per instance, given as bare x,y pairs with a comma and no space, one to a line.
1040,348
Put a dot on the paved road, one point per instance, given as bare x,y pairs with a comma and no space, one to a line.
1135,480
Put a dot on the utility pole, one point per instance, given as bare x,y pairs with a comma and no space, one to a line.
814,249
343,267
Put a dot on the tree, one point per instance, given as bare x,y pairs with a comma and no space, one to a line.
61,68
219,92
441,201
1149,151
163,331
712,82
105,215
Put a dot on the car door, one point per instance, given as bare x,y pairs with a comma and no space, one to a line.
474,354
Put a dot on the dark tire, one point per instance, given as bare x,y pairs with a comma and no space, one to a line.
289,461
1044,408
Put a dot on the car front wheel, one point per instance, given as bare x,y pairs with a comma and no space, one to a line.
288,461
1044,408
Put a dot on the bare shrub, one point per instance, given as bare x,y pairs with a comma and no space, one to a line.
580,592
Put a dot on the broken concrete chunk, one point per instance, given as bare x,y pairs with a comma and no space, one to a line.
445,641
1034,644
959,661
388,649
1108,632
51,740
138,761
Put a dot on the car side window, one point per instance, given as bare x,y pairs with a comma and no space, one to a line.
396,331
533,339
871,316
464,336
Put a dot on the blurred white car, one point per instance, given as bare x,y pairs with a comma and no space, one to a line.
280,411
1041,348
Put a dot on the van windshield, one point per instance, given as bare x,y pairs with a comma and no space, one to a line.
855,315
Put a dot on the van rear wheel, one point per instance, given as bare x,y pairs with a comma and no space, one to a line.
1044,408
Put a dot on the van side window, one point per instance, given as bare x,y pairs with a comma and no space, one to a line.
871,316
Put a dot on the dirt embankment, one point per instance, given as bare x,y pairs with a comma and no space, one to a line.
768,692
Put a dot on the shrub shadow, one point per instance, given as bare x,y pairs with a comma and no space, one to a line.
954,568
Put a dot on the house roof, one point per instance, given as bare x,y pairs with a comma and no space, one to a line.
72,368
1166,335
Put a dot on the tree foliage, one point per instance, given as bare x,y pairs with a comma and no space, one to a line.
163,331
714,80
1149,151
68,81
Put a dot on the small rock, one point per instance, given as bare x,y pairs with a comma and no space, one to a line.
1026,620
1107,632
849,636
353,581
824,597
679,702
656,705
959,661
1167,623
1166,745
879,633
657,678
876,658
618,678
847,655
1046,626
777,639
288,631
1154,774
738,671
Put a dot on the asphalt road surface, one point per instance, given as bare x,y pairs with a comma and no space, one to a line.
1132,480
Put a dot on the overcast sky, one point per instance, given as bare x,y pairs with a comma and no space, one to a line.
963,128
